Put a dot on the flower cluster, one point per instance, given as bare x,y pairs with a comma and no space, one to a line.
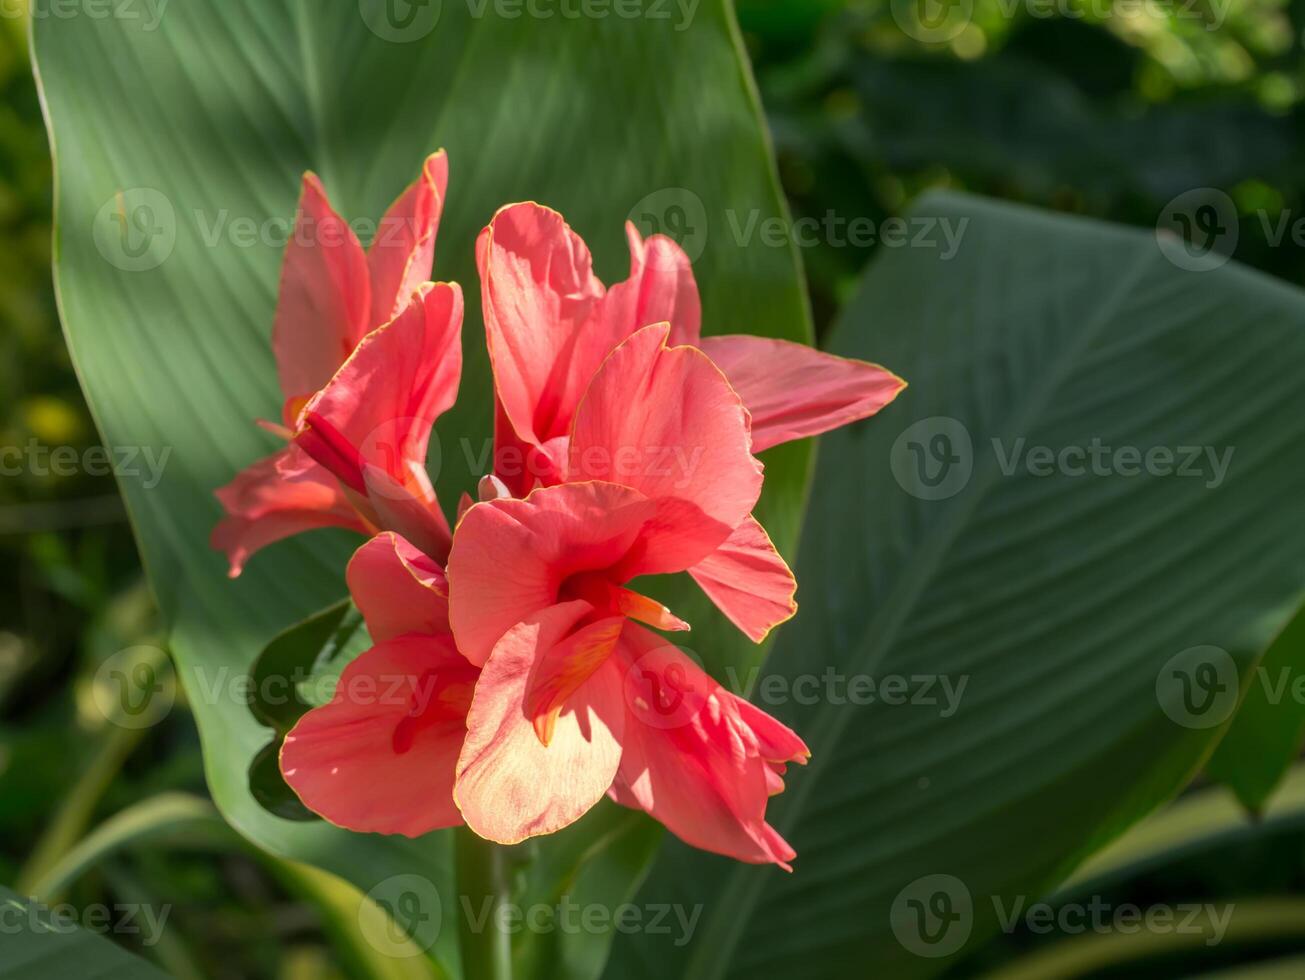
538,680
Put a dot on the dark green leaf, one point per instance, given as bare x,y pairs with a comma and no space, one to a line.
199,126
39,941
1101,619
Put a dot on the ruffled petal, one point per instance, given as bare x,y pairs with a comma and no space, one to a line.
511,558
691,756
403,252
381,756
794,391
561,670
398,589
511,786
521,465
325,299
749,581
661,289
539,293
664,421
279,496
371,425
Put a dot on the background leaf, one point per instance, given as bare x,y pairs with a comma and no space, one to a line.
55,949
1072,606
1265,738
194,131
1229,880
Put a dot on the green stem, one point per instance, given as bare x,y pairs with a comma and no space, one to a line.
484,884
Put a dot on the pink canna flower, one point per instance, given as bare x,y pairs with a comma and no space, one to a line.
577,699
381,756
531,683
332,295
550,323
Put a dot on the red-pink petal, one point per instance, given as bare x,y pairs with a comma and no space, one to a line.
794,391
410,508
561,670
661,289
776,742
749,581
277,497
538,291
371,425
398,589
666,422
511,786
381,756
691,756
325,299
402,253
511,557
522,465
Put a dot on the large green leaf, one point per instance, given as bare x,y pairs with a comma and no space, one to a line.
1227,879
43,941
1265,738
172,135
1074,606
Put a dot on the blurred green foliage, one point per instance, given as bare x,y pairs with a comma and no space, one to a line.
1108,108
71,597
56,575
1111,111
